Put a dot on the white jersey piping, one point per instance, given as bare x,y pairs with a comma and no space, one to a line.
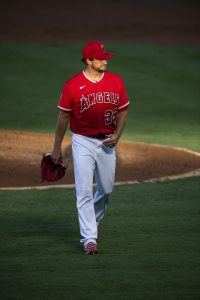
62,108
94,81
124,105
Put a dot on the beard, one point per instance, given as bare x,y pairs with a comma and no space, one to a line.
100,69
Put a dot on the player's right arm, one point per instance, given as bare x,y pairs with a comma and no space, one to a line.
61,127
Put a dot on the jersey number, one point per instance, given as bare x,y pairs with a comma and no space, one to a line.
110,116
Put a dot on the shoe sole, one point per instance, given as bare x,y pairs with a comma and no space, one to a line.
91,253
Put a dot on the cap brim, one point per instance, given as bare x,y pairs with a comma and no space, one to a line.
106,56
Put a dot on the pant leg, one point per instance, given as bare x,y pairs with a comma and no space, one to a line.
84,166
105,177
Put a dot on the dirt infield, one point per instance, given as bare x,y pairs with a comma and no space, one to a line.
21,153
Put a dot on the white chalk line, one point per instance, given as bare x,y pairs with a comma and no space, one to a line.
117,183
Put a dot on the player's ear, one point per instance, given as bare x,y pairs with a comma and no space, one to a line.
88,61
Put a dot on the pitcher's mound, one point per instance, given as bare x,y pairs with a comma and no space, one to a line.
21,153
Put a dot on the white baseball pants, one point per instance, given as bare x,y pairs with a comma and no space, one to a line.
92,158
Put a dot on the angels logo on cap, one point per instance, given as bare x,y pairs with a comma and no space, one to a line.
96,50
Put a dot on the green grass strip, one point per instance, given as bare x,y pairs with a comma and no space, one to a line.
148,248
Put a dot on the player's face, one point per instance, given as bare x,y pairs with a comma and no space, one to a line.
99,65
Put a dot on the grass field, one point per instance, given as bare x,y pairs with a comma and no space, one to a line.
149,245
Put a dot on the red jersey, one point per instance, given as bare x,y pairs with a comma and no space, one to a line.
93,105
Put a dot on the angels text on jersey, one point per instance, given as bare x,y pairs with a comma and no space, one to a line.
100,97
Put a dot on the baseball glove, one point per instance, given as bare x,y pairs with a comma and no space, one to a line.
49,170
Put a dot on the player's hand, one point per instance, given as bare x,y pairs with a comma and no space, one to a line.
111,140
56,155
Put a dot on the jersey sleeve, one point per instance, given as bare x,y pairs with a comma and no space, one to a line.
123,100
65,102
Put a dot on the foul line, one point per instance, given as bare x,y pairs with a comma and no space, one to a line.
117,183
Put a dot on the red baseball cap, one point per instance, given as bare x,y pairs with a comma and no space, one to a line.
96,50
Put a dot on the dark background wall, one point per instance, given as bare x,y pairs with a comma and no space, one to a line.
164,22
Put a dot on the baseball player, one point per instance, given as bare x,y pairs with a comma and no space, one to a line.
95,103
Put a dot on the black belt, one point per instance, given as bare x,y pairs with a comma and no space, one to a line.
101,136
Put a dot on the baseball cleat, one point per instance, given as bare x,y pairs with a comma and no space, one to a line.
90,248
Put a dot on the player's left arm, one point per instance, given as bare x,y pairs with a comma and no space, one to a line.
120,124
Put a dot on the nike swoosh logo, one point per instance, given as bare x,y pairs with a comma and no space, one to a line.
81,87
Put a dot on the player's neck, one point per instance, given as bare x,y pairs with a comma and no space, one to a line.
93,75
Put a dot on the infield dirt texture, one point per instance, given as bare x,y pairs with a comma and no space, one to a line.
136,162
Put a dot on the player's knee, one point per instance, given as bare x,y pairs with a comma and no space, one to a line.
83,197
